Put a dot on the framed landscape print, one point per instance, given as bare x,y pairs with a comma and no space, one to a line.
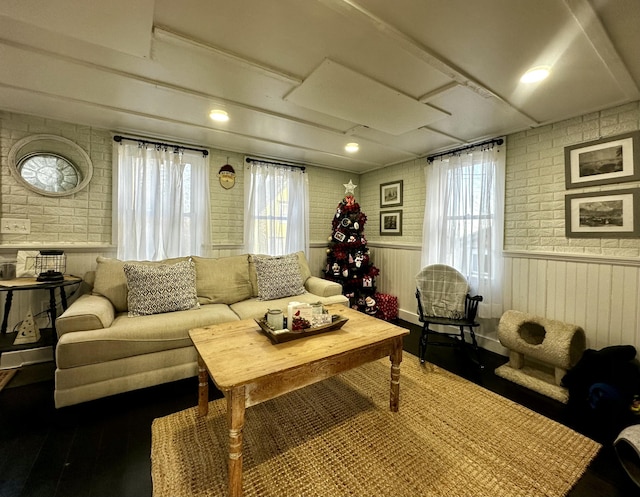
391,194
612,214
609,160
391,223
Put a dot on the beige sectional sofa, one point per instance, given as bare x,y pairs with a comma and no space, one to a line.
104,348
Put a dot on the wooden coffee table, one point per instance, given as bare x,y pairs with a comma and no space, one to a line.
249,369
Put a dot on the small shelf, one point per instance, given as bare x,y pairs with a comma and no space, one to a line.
6,341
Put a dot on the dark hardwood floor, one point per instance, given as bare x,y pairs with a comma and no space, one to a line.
102,448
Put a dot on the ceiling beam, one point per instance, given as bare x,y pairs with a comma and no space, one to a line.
588,20
354,11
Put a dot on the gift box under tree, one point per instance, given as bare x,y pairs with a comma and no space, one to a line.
387,306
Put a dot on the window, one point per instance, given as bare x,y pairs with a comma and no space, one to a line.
162,201
276,210
463,221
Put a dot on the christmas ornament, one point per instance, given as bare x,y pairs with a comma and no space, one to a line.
28,331
349,188
227,176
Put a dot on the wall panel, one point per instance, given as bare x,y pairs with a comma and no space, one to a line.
601,296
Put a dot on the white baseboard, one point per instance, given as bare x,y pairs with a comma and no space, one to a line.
19,358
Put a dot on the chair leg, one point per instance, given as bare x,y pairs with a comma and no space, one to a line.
476,349
422,345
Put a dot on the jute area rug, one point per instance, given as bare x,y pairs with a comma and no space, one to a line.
338,438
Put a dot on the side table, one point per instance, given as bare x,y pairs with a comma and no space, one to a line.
19,284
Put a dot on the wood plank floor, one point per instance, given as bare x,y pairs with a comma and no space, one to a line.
102,448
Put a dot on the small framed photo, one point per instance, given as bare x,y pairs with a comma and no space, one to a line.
391,223
605,161
391,194
612,214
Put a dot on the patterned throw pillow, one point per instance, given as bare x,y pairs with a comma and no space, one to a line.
278,277
158,288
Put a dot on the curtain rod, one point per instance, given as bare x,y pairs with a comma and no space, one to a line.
281,164
118,138
495,141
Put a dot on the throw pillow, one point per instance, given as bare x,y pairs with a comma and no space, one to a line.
278,277
158,288
222,281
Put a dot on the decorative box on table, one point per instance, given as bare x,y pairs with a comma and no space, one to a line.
387,306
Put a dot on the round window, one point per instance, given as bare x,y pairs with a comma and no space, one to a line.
49,172
50,165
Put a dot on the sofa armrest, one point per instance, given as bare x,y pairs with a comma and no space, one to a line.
88,312
321,287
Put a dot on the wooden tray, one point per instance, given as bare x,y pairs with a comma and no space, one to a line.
286,336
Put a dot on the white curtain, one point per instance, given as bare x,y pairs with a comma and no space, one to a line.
162,199
276,220
464,219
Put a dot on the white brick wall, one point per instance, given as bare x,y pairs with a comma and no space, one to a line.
85,218
82,218
412,175
534,204
535,184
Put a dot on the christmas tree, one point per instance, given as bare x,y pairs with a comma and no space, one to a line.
348,260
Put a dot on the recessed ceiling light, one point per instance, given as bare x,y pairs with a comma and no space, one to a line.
535,74
352,147
219,115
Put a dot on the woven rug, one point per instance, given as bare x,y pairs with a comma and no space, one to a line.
338,438
5,377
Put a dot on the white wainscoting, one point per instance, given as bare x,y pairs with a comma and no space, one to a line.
599,294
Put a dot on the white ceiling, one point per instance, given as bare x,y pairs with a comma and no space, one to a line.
301,78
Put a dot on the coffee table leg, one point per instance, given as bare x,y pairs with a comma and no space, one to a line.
203,388
396,359
235,420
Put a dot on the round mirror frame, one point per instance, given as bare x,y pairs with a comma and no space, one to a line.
15,162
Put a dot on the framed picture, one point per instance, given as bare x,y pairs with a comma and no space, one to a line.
391,194
391,223
612,214
600,162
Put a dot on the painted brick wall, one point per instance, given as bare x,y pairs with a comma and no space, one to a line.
85,218
413,198
535,184
82,218
326,191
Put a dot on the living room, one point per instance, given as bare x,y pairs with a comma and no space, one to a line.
592,282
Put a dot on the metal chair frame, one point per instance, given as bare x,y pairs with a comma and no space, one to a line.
455,339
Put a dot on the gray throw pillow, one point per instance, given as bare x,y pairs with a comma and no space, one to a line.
154,289
278,277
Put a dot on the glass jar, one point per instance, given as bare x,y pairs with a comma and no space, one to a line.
275,319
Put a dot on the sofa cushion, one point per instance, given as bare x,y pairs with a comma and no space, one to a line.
255,309
278,277
111,282
222,281
158,288
137,336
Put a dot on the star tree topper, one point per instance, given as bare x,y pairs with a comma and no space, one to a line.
349,188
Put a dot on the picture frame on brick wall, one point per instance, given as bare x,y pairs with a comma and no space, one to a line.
609,160
608,214
391,194
391,223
